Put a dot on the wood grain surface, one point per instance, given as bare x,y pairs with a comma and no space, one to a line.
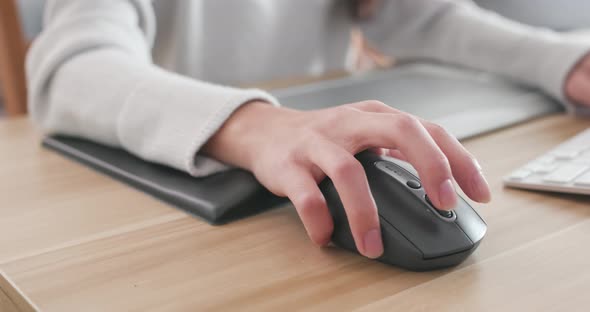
72,239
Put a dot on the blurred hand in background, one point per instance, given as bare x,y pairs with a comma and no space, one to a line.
577,86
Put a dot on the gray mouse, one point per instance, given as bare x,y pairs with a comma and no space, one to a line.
416,235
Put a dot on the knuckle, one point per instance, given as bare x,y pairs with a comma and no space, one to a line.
341,109
346,111
327,122
309,134
307,202
374,105
323,236
406,122
288,158
438,130
438,164
355,142
345,167
295,152
333,117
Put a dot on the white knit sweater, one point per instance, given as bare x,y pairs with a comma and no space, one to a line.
102,70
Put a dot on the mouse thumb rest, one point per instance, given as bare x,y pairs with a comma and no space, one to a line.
415,234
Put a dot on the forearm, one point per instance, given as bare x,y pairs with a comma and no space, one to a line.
459,32
90,75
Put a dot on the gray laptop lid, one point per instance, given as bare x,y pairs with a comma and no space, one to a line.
467,103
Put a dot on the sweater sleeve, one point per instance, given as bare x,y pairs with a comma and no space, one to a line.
90,75
459,32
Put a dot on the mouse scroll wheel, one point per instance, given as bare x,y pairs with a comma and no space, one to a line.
444,213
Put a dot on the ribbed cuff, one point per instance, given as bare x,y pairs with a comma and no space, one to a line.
169,117
199,165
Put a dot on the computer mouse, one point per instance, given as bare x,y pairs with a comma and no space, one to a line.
416,235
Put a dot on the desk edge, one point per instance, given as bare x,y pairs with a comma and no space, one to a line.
17,297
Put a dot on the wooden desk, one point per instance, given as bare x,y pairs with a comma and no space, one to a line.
75,240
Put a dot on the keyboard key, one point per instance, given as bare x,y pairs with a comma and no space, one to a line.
583,180
542,169
565,174
520,174
565,168
582,159
545,160
566,154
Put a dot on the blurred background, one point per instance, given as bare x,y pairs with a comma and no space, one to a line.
557,14
560,15
32,16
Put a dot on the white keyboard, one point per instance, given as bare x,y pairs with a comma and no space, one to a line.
565,168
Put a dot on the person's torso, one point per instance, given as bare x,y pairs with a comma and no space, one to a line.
246,41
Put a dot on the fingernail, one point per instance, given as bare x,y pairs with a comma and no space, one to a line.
373,244
447,195
481,187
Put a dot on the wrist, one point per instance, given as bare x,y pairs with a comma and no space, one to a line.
244,133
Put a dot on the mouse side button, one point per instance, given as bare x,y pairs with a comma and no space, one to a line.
414,184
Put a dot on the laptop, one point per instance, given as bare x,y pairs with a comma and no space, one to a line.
466,102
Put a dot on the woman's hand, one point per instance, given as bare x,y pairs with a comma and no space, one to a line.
291,151
577,86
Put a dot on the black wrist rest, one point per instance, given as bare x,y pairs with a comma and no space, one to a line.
220,198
